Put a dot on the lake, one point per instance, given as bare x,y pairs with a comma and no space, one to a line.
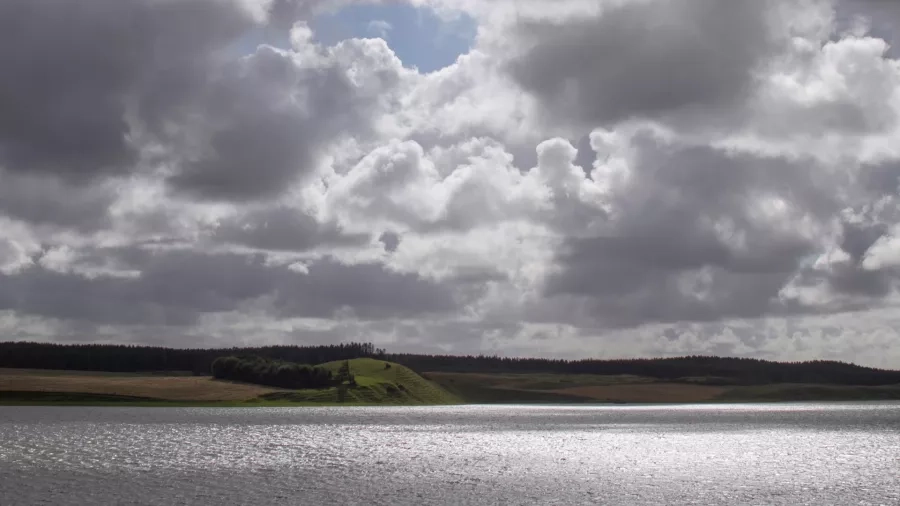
791,454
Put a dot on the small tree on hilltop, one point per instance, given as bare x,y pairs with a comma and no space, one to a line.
344,375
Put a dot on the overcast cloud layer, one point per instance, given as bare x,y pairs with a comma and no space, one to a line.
598,178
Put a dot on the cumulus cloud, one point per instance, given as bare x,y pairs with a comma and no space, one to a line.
174,288
380,27
75,73
270,116
644,58
282,229
618,178
41,199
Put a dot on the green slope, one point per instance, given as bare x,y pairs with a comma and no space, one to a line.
507,388
376,384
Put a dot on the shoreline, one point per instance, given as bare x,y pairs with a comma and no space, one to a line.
380,383
74,399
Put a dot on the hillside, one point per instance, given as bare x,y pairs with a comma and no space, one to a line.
44,373
398,385
505,388
703,370
376,384
148,387
569,388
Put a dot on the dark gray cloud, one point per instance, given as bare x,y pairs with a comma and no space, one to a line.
283,13
644,59
172,288
391,241
264,123
700,234
41,199
689,238
108,87
857,238
72,70
619,292
371,291
283,229
159,163
177,287
844,281
882,179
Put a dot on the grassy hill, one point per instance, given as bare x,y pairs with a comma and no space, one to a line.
378,382
110,385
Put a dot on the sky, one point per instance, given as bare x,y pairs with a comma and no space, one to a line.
576,178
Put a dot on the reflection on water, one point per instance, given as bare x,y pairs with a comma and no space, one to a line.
734,454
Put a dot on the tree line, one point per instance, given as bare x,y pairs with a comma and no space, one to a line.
275,373
724,370
126,358
705,369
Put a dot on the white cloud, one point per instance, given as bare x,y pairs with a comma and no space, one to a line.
885,253
380,27
615,178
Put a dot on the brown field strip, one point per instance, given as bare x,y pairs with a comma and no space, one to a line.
170,388
652,392
9,371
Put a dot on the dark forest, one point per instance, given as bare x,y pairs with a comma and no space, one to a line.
709,370
275,373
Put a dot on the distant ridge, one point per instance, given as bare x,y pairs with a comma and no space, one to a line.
703,369
708,370
376,382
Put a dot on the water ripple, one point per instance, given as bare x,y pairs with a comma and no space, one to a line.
738,454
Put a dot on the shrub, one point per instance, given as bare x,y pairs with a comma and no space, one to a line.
275,373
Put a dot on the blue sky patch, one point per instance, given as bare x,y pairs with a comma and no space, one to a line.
417,36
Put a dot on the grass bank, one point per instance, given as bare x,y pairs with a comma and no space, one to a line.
587,388
384,383
803,392
569,388
166,388
378,383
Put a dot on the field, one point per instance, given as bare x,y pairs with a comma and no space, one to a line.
569,388
5,371
586,388
383,383
800,392
377,384
169,388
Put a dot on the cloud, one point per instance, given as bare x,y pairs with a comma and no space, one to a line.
640,177
883,253
266,121
116,88
380,28
176,288
41,199
282,229
74,74
644,59
691,233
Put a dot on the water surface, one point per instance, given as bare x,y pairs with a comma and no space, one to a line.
790,454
